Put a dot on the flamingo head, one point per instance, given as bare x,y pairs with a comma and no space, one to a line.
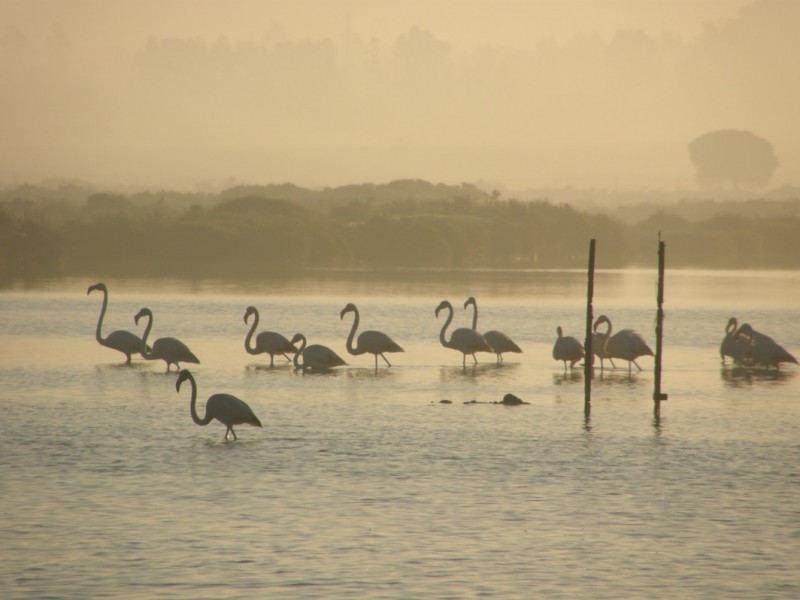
600,320
298,337
559,331
349,308
97,286
182,376
251,310
145,312
470,300
442,305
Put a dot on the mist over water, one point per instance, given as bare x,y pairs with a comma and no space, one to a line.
362,483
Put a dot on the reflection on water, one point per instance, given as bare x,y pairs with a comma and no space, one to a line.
363,484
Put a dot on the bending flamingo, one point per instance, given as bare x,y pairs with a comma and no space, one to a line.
169,349
316,357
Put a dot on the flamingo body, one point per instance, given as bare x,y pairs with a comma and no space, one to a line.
732,345
762,349
372,342
225,408
498,341
316,357
567,349
267,342
463,339
625,344
171,350
120,340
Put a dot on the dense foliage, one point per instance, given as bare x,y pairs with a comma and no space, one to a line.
253,231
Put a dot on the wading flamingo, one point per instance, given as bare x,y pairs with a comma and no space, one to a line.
169,349
123,341
316,357
499,341
463,339
268,342
374,342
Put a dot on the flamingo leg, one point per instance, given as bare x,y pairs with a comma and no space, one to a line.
637,365
384,358
474,358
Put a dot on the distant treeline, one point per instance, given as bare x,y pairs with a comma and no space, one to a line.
266,230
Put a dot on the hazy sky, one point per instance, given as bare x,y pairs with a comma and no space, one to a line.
524,93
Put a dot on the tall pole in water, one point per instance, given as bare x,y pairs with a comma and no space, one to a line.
657,395
587,344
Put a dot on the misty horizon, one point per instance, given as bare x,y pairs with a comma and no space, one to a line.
599,94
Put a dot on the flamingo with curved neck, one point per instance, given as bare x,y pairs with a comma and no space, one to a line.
373,342
625,344
267,342
499,341
316,357
123,341
225,408
170,350
463,339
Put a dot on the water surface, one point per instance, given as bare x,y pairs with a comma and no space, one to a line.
365,484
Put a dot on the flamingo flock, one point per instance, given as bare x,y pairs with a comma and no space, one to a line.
744,345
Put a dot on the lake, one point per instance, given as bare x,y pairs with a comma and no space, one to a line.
363,483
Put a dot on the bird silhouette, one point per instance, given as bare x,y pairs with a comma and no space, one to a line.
269,342
225,408
599,344
625,344
463,339
374,342
123,341
499,341
567,348
732,345
169,349
316,357
762,349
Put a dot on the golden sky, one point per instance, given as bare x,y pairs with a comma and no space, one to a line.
521,93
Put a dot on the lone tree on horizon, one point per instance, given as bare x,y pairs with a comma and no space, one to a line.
732,158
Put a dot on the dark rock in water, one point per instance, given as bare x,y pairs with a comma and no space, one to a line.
445,401
512,400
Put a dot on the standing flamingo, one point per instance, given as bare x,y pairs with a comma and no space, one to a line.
374,342
225,408
599,344
567,348
268,342
731,344
168,349
499,341
463,339
625,344
316,357
123,341
762,349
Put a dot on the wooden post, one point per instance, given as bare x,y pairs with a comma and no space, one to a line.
657,395
587,345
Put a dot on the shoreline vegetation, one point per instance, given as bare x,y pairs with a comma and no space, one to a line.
399,227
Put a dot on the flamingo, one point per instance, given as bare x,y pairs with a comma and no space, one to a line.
123,341
762,349
168,349
599,344
374,342
316,357
225,408
268,342
499,341
567,348
625,344
463,339
731,344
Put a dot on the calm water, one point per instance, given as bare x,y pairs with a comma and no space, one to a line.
366,485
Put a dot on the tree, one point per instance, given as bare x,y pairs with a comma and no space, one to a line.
732,158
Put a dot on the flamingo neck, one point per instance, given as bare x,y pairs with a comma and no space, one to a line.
474,315
352,335
193,406
144,352
447,321
298,352
251,350
97,334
